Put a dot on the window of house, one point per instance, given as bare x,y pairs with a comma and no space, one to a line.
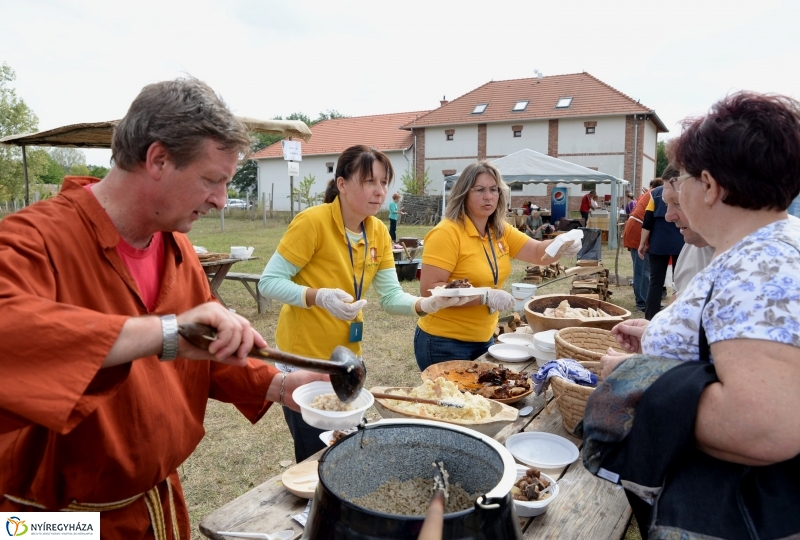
517,133
448,134
564,102
479,108
590,130
520,106
330,168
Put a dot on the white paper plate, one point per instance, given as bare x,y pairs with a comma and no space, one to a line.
545,340
543,450
515,339
508,352
327,436
468,291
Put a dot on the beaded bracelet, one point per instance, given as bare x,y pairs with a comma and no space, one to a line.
283,387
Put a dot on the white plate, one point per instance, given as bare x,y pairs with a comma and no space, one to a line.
545,340
515,339
508,352
543,450
468,291
326,436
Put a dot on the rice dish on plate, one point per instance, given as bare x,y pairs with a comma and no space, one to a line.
330,402
475,407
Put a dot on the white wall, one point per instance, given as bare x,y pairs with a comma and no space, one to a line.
275,170
464,143
650,139
435,168
500,140
609,135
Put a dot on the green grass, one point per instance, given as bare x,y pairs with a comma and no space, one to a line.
236,456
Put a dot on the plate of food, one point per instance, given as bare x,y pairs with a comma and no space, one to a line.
492,381
333,436
459,287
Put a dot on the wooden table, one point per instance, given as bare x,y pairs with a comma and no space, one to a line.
587,507
216,272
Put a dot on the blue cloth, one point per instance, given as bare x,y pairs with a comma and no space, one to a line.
565,368
665,238
641,278
430,349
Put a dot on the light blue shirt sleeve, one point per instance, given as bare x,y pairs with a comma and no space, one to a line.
394,300
276,282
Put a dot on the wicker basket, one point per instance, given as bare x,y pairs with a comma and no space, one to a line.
585,345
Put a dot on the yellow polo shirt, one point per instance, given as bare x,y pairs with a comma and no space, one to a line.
316,242
459,249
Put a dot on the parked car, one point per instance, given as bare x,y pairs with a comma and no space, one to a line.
236,203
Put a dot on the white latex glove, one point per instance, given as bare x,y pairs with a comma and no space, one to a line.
339,303
573,249
432,304
499,300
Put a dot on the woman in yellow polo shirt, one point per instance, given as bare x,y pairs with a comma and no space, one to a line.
472,242
330,255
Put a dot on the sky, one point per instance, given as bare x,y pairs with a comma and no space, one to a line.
86,60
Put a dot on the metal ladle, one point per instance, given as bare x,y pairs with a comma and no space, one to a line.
347,370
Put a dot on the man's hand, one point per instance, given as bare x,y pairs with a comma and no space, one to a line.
643,249
235,336
629,334
294,380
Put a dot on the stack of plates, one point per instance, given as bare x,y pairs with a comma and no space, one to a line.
544,346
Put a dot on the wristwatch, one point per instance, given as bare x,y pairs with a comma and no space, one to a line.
169,332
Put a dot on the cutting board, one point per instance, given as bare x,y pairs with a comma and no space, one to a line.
302,479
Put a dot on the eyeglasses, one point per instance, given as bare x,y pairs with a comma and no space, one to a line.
676,182
480,190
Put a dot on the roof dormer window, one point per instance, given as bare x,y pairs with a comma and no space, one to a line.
520,106
479,108
564,102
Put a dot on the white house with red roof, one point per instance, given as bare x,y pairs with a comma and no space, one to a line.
574,117
330,138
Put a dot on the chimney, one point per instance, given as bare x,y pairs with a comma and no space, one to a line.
443,102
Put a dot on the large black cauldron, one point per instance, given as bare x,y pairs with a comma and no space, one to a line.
404,449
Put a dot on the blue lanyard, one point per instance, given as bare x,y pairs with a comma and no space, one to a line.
495,269
357,289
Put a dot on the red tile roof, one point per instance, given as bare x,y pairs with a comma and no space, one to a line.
333,136
590,97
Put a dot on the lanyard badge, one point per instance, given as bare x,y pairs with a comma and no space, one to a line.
357,328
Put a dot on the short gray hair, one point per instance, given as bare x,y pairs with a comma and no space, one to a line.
181,114
456,209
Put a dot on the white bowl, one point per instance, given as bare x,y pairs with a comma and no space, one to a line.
523,291
514,338
305,394
508,352
545,341
542,357
534,508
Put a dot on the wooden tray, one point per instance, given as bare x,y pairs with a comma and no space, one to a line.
302,479
466,382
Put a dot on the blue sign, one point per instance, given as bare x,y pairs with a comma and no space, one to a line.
794,208
558,204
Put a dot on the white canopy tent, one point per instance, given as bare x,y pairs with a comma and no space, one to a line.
530,167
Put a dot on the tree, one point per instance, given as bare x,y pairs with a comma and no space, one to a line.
412,185
70,159
302,192
15,117
661,158
331,114
246,178
98,171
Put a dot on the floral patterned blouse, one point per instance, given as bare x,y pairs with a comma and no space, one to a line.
756,296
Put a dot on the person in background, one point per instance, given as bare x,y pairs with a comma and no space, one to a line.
534,226
587,204
329,256
696,253
631,236
527,208
631,205
739,170
394,214
662,241
107,399
473,242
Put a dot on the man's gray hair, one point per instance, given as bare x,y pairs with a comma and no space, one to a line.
181,114
457,203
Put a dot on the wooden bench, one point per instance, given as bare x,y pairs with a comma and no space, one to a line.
264,304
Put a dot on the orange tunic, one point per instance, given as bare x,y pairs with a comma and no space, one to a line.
70,431
632,234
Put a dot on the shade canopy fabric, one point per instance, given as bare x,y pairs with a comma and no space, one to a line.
98,134
530,167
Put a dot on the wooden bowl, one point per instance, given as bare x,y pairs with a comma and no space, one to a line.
466,382
539,323
501,414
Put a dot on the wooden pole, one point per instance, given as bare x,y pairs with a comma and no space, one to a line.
264,207
271,200
25,170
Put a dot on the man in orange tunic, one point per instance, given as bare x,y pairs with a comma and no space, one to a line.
101,400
